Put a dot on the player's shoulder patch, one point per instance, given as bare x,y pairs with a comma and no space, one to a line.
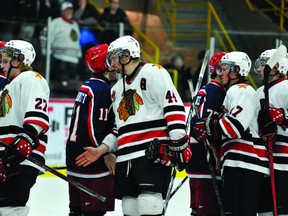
242,85
38,75
152,67
158,66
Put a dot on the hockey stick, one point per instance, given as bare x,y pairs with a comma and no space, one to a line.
193,106
212,170
60,175
270,139
59,167
193,94
179,186
168,196
201,73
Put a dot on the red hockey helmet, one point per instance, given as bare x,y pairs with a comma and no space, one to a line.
214,63
2,43
95,58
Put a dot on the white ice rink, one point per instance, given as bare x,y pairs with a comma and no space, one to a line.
49,197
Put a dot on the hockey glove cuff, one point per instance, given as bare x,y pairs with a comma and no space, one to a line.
181,151
24,143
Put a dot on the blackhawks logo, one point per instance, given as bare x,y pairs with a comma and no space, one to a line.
5,103
129,104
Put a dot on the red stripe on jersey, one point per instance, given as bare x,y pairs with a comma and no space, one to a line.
86,89
90,114
229,129
202,92
198,173
41,148
136,137
7,140
244,147
37,122
280,149
176,117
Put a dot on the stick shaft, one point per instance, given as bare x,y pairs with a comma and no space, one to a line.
168,196
60,175
178,187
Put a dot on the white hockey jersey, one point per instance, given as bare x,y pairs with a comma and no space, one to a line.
242,146
278,98
25,101
151,108
65,40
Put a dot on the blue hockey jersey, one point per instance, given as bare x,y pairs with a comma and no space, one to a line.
91,122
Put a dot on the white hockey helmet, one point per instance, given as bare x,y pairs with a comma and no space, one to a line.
20,47
123,44
238,62
263,58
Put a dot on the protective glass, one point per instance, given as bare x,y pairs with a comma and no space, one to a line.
15,53
260,64
229,66
115,56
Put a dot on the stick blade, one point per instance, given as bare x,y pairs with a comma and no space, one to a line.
279,53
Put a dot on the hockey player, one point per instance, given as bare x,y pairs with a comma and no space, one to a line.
89,125
23,124
3,80
147,107
275,115
243,155
208,101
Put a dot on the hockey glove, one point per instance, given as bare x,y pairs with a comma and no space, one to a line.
9,164
181,151
24,143
159,153
206,129
278,115
3,175
267,128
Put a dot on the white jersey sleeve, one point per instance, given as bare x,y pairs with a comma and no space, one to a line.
167,97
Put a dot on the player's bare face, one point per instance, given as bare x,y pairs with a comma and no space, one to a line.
114,64
115,61
259,68
224,74
5,62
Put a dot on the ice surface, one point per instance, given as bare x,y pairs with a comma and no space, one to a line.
49,197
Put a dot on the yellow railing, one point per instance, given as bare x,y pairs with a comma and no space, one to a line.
280,9
214,25
211,16
154,58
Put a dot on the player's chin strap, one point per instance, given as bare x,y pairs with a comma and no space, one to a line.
229,81
8,73
272,75
123,74
131,76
